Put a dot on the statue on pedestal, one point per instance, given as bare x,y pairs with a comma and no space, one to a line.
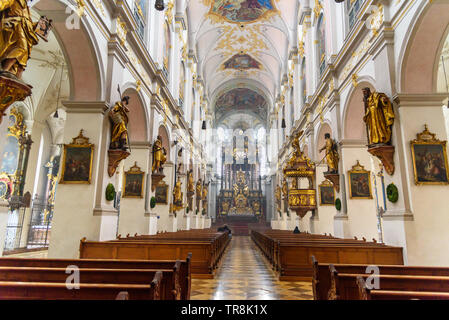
190,183
332,157
159,155
119,146
379,120
18,34
17,38
177,194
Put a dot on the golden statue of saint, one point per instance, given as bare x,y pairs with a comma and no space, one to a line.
177,194
119,118
190,183
285,188
199,188
17,37
205,191
379,117
277,193
332,156
159,155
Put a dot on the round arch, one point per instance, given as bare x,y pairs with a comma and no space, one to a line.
353,126
419,69
138,116
164,134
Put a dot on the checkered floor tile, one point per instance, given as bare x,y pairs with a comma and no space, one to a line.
246,275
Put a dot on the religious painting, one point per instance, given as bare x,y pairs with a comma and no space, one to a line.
241,62
429,157
162,193
241,99
327,193
359,182
133,182
43,28
77,161
241,11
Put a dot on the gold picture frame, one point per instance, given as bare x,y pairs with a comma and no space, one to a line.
161,193
429,157
133,182
326,186
359,182
77,161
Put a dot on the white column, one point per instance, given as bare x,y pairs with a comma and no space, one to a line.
4,209
81,210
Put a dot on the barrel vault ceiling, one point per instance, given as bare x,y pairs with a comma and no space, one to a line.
242,48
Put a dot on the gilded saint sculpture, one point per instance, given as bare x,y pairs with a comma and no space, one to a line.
379,119
159,156
177,194
278,195
190,183
332,157
18,34
119,145
199,185
119,119
285,188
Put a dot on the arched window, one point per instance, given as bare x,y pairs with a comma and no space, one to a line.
167,50
292,106
182,84
321,42
140,14
304,81
192,109
352,9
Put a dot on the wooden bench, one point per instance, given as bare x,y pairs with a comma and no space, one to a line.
344,286
322,280
176,282
290,254
206,254
12,290
367,294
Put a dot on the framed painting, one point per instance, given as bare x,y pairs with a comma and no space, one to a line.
133,182
429,156
77,161
359,182
162,193
327,193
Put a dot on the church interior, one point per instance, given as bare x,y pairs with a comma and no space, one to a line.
224,149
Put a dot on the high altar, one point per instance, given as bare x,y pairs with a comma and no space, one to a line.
240,198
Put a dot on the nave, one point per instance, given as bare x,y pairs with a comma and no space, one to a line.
246,275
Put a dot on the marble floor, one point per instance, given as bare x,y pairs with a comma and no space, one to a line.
246,275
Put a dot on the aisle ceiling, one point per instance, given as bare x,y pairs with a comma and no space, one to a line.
242,50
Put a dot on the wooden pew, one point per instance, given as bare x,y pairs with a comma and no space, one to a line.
181,276
12,290
367,294
344,286
321,273
205,253
290,254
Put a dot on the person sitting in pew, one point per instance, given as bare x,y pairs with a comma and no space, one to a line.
296,231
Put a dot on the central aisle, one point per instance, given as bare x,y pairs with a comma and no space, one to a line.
245,275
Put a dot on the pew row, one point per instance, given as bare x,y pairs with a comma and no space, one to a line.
175,282
367,294
321,281
206,251
13,290
290,254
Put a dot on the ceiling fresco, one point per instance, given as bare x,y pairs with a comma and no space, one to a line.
241,100
241,11
242,62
